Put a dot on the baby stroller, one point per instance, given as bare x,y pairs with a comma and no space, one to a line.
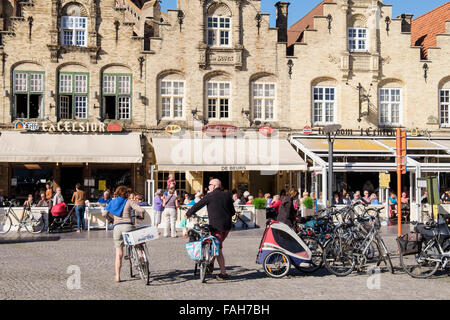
63,219
279,248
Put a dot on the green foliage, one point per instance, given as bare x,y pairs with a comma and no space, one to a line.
308,203
259,203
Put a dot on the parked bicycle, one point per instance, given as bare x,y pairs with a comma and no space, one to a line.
202,246
427,249
356,242
29,221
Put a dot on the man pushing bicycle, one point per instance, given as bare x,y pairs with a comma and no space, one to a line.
220,213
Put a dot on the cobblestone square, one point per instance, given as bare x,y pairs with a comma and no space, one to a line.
39,267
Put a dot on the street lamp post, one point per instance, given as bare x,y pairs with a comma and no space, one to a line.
329,130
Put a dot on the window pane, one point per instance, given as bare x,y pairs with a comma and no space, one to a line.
165,107
178,88
317,113
124,84
36,82
80,38
257,109
224,108
109,84
81,107
212,108
80,83
329,112
20,82
384,117
211,37
212,89
68,37
65,83
64,107
224,36
124,108
269,109
166,87
178,107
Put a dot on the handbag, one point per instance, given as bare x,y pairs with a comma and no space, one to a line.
167,201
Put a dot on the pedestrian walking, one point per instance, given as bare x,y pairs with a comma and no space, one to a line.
170,204
157,208
220,212
119,212
78,199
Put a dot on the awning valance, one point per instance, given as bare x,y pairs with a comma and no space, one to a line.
226,154
45,147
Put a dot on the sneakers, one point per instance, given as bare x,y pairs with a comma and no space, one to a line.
222,277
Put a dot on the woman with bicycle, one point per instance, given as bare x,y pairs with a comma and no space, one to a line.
119,210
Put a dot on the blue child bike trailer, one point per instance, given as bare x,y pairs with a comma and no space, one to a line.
194,249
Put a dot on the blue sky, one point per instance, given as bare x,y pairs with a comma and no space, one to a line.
299,8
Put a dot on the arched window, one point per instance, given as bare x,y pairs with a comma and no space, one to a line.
172,96
117,93
219,26
444,102
28,91
73,92
358,34
218,96
74,26
324,101
390,103
264,98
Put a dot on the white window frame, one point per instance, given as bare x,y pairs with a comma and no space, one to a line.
444,104
73,24
79,87
217,31
357,38
217,98
263,100
171,96
390,123
324,101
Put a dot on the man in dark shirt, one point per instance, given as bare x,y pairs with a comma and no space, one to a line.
220,212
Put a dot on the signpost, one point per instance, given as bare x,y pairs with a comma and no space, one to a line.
401,169
329,130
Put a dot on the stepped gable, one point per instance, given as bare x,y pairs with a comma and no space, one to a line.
307,22
425,28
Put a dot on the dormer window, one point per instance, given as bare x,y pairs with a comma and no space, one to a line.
357,39
219,30
74,27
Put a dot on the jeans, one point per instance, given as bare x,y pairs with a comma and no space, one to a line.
170,219
79,212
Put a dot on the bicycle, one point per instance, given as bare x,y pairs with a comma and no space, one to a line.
29,221
203,246
427,254
349,248
138,256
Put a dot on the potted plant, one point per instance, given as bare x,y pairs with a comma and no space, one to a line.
260,211
307,207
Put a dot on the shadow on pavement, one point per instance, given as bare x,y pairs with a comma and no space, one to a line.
20,239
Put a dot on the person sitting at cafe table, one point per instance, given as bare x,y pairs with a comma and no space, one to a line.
445,198
105,199
337,199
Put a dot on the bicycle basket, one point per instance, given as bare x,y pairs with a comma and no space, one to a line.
140,235
194,250
410,243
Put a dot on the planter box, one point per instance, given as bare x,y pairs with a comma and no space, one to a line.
260,218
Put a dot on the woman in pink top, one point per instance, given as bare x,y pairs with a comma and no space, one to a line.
276,203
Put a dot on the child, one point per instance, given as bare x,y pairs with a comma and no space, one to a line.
171,181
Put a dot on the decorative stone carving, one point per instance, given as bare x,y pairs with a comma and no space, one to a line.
220,56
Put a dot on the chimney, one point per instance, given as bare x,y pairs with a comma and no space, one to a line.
406,22
282,20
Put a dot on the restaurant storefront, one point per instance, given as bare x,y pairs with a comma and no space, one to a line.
250,161
98,161
359,162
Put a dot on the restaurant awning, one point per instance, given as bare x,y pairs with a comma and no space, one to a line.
45,147
226,154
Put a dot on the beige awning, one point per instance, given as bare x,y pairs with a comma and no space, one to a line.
343,145
45,147
230,154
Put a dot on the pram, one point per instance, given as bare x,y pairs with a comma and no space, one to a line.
280,247
63,219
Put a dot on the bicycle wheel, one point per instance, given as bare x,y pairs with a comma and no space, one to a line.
316,258
5,223
423,264
205,261
276,264
337,258
142,262
33,225
384,255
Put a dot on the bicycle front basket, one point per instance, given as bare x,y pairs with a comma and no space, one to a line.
194,250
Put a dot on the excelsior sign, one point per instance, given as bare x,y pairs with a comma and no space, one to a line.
74,126
219,129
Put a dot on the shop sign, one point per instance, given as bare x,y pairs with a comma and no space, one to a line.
370,132
414,132
432,120
385,179
266,130
220,129
173,128
307,130
114,127
32,126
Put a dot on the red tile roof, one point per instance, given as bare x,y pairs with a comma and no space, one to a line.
307,22
425,28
